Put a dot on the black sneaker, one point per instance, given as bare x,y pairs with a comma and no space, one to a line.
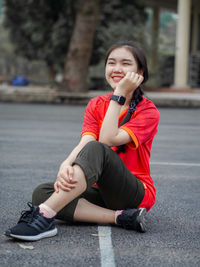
133,219
32,226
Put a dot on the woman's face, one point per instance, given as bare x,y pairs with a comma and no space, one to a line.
119,62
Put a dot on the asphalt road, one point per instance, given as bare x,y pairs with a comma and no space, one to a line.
35,139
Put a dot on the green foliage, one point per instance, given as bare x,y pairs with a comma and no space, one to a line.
40,29
119,20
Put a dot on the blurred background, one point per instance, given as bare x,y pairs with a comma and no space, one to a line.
62,44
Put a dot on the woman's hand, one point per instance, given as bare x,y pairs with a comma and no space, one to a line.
129,83
65,178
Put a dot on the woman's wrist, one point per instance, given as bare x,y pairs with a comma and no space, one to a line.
119,91
65,163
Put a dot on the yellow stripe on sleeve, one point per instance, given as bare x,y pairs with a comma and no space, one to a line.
89,133
132,145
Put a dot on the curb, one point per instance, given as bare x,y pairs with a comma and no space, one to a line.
179,100
51,96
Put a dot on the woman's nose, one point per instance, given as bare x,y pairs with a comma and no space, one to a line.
117,68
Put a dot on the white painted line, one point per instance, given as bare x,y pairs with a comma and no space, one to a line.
106,249
176,164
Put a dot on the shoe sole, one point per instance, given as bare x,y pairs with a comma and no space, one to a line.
142,221
50,233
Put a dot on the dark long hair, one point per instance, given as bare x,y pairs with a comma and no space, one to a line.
141,67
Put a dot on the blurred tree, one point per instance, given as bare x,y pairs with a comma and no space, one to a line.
113,16
48,29
40,29
119,20
81,43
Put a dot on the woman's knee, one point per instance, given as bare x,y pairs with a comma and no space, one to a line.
42,193
95,146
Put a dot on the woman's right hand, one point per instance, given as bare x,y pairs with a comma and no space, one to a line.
65,178
129,83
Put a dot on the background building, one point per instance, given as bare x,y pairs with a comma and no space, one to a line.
182,70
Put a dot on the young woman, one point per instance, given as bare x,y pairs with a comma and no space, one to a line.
106,178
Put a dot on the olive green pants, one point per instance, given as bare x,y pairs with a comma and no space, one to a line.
117,187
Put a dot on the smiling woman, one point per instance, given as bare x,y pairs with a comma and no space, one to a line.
106,178
117,66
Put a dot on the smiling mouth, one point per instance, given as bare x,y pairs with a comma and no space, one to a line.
117,78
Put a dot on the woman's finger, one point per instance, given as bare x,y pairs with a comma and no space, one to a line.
63,175
63,187
56,188
65,184
73,181
70,172
68,183
63,181
140,79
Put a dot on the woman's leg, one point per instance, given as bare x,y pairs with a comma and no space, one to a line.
34,224
119,188
87,212
89,207
59,200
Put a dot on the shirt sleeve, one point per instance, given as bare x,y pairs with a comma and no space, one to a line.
142,127
90,123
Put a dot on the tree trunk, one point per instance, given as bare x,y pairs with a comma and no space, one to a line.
80,48
51,73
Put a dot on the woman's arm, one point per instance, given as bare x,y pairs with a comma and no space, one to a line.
65,179
110,133
84,140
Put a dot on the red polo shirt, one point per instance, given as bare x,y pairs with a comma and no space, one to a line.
142,128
